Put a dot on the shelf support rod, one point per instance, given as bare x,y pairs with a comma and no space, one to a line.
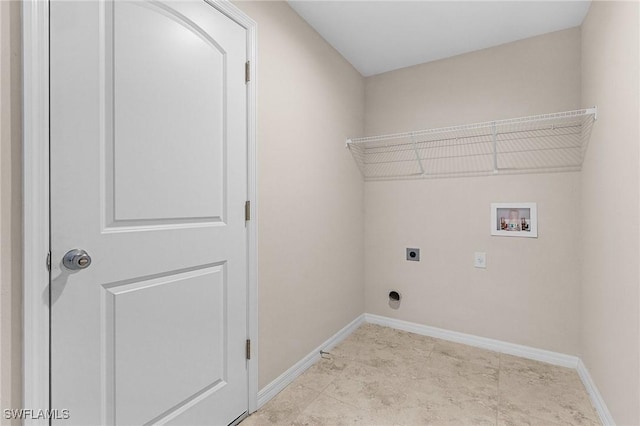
415,149
494,138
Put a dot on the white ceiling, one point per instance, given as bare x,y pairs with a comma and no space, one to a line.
380,36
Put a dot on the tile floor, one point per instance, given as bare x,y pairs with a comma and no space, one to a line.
382,376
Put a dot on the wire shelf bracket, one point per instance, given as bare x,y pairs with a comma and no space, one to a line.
554,142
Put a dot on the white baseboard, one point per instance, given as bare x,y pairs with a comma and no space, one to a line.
542,355
272,389
555,358
596,398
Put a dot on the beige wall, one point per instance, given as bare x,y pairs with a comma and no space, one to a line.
310,194
536,75
311,199
529,293
10,208
310,237
610,197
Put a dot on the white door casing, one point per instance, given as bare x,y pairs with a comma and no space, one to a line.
35,40
137,337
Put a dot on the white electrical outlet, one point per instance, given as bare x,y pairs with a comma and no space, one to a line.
480,259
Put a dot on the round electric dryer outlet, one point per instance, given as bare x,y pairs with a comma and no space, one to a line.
413,254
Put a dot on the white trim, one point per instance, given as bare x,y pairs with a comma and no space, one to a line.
554,358
35,22
286,378
605,416
35,33
528,352
252,106
233,12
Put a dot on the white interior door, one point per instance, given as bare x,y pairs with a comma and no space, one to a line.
149,177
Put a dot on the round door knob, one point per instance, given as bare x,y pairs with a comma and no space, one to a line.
76,259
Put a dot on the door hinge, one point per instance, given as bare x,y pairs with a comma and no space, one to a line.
49,261
247,210
248,348
247,71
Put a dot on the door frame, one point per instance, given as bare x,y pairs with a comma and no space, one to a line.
36,215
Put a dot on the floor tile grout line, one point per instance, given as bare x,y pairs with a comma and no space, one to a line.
498,393
300,410
346,403
504,371
332,380
322,393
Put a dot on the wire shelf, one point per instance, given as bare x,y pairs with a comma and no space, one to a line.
540,143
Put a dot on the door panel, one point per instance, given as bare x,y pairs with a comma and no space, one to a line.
148,175
177,320
170,72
